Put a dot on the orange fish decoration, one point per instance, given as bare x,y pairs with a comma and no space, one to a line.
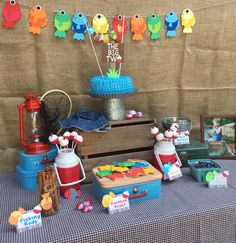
11,13
138,27
15,216
46,202
37,19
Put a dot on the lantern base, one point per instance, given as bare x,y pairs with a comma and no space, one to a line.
37,148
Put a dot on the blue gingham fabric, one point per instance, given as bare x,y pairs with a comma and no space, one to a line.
187,211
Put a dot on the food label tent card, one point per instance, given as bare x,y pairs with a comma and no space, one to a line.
113,52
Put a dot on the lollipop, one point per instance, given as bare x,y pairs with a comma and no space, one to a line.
175,135
168,134
160,137
67,135
53,139
78,140
64,143
37,209
154,130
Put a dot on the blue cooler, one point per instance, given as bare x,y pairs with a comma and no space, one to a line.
140,188
26,171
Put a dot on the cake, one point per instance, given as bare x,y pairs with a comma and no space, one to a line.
112,83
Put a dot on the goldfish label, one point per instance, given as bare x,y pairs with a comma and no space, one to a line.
119,203
28,221
113,52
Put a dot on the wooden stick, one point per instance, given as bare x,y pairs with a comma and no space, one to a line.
122,40
91,41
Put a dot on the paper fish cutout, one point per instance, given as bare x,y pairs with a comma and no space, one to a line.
119,28
62,23
138,27
80,26
124,164
104,167
101,27
11,13
15,216
135,172
107,199
46,202
188,20
154,26
171,23
37,19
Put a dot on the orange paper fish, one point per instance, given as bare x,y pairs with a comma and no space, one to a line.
37,19
138,27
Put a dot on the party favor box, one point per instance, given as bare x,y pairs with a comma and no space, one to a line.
140,188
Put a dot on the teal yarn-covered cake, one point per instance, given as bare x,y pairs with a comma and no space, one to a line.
112,83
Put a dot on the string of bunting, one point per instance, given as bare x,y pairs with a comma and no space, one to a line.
11,12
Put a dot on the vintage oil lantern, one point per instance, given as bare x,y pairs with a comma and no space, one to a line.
32,125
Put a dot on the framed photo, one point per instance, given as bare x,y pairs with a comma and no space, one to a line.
218,131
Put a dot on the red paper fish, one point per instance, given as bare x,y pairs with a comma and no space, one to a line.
119,26
135,172
11,13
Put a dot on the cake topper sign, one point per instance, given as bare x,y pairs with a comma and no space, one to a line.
113,52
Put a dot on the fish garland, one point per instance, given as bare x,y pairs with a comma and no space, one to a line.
11,12
80,26
101,28
62,23
138,27
119,27
37,19
188,20
171,23
154,26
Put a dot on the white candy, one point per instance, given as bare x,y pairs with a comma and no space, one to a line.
60,138
175,125
154,130
173,128
168,134
52,138
64,142
175,135
78,139
139,114
66,134
159,137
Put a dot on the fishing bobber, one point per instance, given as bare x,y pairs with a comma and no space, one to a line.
37,209
174,127
67,135
129,116
64,142
154,130
132,112
53,139
175,135
78,139
60,138
186,133
73,134
119,59
139,114
168,134
160,137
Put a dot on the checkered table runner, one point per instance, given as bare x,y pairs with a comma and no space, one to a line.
187,211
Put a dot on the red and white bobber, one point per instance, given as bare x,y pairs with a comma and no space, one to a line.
154,130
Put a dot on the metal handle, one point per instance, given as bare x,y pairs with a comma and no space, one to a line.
71,183
21,118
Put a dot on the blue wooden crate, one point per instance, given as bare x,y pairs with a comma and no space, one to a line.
140,188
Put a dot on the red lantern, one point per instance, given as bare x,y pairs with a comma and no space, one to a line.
32,125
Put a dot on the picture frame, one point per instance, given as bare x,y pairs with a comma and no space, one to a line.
219,132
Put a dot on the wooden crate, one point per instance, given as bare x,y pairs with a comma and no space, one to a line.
127,139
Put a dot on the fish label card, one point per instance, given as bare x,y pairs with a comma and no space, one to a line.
182,139
119,203
29,220
113,52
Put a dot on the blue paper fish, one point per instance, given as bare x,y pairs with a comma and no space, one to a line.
80,26
171,23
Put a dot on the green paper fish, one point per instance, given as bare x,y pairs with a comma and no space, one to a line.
62,23
154,26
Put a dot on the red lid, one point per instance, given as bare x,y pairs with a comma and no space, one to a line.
32,103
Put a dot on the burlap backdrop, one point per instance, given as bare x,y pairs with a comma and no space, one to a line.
184,76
